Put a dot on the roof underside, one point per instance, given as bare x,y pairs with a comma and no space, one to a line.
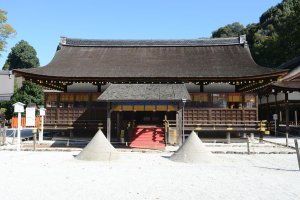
145,92
101,59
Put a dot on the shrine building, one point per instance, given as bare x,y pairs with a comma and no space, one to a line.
152,91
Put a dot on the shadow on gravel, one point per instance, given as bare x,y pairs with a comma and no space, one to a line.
167,157
277,169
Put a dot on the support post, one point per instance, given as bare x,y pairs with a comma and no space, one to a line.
248,145
71,133
99,88
297,151
296,117
276,110
201,87
228,137
276,103
4,135
280,117
34,132
268,109
183,120
244,135
166,129
179,126
118,125
252,136
41,132
287,118
19,132
108,126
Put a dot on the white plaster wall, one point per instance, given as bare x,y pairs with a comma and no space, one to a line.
191,87
280,97
82,87
215,87
6,86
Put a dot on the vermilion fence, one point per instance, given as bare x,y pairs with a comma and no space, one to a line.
14,123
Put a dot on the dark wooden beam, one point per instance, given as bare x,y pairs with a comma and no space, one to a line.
287,117
99,88
179,126
108,121
268,108
201,87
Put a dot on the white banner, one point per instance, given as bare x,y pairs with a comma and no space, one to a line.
30,116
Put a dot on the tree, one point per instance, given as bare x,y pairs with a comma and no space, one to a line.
28,93
230,30
6,30
22,56
275,39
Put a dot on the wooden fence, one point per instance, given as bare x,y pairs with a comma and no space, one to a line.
14,122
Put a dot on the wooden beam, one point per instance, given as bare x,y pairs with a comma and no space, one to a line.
201,87
179,125
268,108
287,117
108,125
118,124
276,110
296,117
99,88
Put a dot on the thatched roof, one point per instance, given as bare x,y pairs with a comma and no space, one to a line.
198,59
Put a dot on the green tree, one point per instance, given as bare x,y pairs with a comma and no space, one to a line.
275,39
28,93
230,30
6,30
22,56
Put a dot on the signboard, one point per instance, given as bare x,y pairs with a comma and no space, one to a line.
30,116
18,107
275,117
42,112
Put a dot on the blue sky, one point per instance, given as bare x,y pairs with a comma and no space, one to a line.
41,22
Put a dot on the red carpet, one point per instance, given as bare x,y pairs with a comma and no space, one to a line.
148,137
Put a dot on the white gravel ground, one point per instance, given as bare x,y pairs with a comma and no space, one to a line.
57,175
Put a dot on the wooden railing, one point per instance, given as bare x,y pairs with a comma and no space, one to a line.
217,125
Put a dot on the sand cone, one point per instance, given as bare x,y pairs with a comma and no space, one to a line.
98,149
193,151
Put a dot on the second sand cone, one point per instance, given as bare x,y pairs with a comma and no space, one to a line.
193,151
98,149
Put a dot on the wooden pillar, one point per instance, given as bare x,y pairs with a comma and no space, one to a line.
259,100
99,88
268,108
118,124
287,117
58,109
166,129
201,87
260,108
276,104
276,110
296,117
280,116
179,126
228,137
108,118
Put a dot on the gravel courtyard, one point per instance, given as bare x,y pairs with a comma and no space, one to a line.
57,175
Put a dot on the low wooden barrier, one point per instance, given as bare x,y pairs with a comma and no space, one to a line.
14,122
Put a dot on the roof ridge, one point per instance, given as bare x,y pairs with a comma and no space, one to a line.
65,41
